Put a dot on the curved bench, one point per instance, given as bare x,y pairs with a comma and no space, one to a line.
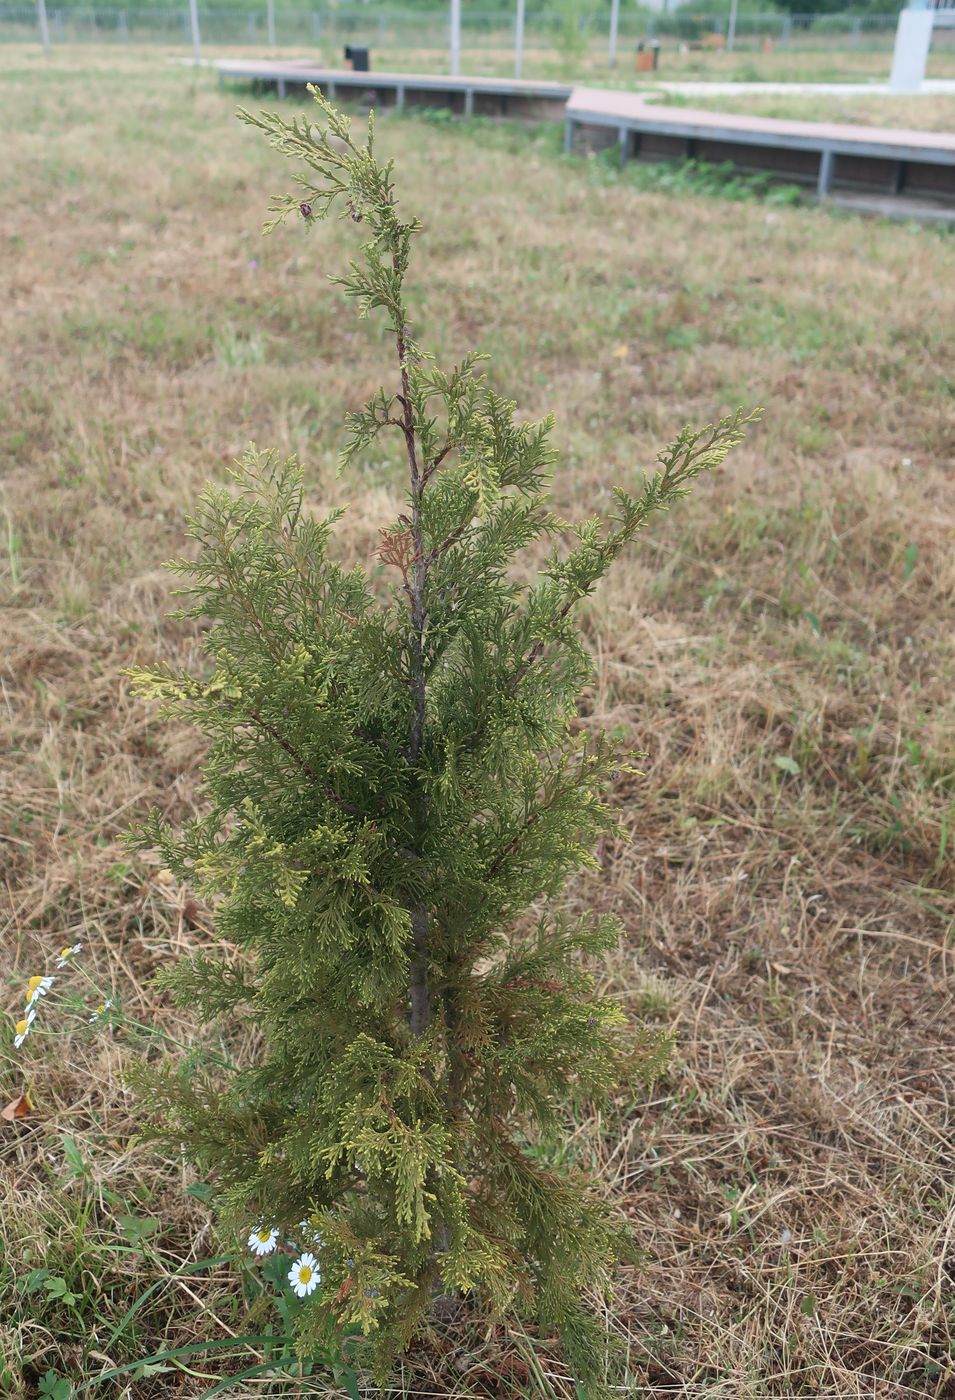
469,96
889,160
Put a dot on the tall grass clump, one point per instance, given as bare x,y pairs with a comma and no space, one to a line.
395,795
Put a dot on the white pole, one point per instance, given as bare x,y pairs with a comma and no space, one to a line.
194,22
44,27
731,28
519,40
455,38
912,40
614,25
270,19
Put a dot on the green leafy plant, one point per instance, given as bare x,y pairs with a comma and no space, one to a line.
396,792
688,178
54,1387
570,32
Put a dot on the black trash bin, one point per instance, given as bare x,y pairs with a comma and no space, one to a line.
358,58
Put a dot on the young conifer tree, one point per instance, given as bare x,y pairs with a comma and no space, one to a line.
395,797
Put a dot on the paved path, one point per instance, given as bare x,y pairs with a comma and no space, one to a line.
931,87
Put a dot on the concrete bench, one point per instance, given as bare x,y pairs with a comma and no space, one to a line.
467,96
823,154
826,156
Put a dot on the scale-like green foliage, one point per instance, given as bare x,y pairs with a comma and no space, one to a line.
395,797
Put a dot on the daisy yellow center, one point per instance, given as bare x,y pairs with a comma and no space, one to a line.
66,952
32,985
304,1274
21,1027
265,1236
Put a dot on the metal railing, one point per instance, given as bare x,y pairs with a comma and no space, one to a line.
399,37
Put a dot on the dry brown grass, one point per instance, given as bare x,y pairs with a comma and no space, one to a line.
791,922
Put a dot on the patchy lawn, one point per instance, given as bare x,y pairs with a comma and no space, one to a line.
781,650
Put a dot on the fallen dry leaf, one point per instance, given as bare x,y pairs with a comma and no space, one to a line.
17,1108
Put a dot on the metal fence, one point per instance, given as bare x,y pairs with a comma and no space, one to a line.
395,36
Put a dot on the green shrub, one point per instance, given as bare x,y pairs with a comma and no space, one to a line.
396,794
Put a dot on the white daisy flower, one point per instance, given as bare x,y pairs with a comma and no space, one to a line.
22,1028
307,1231
101,1010
263,1240
67,953
305,1275
37,987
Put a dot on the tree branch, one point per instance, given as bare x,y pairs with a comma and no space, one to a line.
433,466
420,991
288,747
446,544
537,650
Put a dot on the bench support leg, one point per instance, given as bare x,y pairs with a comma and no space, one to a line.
623,143
898,177
469,103
824,183
568,136
282,88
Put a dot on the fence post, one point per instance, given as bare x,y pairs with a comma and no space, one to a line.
856,32
614,27
270,21
455,38
44,27
519,40
731,30
787,30
194,27
316,25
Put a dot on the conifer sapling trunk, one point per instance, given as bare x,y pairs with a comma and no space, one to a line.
395,798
